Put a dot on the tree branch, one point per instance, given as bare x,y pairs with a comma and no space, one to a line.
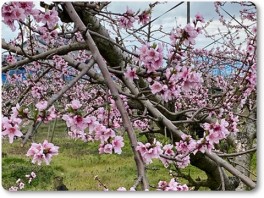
114,91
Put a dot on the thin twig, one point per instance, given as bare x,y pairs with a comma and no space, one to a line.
238,153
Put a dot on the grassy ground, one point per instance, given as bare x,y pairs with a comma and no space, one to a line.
78,163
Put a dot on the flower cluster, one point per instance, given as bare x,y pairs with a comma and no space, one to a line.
16,11
10,59
11,125
109,141
141,124
129,17
149,151
151,57
42,105
131,73
217,131
42,152
184,147
78,126
49,17
20,184
144,17
168,152
233,120
127,20
214,132
179,80
184,35
44,115
19,11
173,185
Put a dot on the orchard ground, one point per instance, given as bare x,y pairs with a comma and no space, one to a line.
78,163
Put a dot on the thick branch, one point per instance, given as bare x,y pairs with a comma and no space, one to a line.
58,51
114,91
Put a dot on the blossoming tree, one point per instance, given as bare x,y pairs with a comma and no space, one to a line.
79,67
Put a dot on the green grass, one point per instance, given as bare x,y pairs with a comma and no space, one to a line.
78,163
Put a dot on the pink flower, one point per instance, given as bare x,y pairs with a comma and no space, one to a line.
15,110
42,105
131,74
203,145
75,104
173,185
5,122
141,124
50,17
68,119
152,54
156,87
182,161
162,185
149,151
13,189
19,13
92,123
121,189
10,59
7,12
250,49
182,147
11,131
186,145
108,148
199,17
144,17
76,134
234,122
51,114
168,150
16,11
33,175
27,7
102,133
118,143
216,131
79,123
213,137
21,185
49,150
127,20
151,57
36,14
42,152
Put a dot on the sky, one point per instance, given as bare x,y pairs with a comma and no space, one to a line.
168,21
179,15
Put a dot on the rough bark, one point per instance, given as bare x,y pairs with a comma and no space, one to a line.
245,141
